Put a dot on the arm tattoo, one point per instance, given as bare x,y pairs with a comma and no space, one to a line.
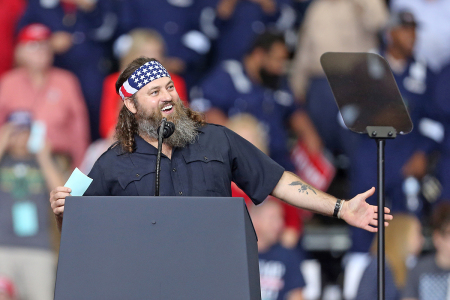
303,187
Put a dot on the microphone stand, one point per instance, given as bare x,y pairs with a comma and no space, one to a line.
164,131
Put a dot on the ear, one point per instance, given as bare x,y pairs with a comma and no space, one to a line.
128,102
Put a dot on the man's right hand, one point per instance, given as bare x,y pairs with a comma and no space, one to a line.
58,198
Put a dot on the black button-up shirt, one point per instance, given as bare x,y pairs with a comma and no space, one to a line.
204,168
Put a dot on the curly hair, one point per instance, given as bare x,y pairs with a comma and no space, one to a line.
127,126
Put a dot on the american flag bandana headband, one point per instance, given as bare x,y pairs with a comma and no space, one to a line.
144,74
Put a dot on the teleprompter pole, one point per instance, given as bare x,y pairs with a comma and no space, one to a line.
380,134
381,247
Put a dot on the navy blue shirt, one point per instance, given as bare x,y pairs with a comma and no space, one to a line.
229,89
279,270
204,168
367,288
237,34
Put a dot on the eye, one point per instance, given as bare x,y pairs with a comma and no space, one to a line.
170,87
154,93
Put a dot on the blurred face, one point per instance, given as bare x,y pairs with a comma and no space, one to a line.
276,59
269,222
403,38
274,65
18,140
416,239
153,50
35,56
441,240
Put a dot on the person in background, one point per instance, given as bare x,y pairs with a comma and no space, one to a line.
430,278
7,289
433,32
440,109
239,22
10,13
25,220
279,267
332,25
82,35
407,155
178,22
403,242
52,95
257,85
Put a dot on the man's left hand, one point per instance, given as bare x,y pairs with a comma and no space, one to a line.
357,212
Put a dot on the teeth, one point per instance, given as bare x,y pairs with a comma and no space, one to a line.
167,108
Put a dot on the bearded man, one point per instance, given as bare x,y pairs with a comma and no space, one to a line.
199,159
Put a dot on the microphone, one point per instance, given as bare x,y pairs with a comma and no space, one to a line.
166,128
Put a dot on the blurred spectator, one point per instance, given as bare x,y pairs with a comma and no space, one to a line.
430,279
433,33
10,13
25,181
403,242
82,31
52,95
249,128
441,109
256,85
406,156
139,42
178,22
239,22
332,25
7,289
279,267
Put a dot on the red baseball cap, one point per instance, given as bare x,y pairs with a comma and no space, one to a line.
34,32
7,287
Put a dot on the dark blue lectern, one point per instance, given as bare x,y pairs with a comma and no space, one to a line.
162,248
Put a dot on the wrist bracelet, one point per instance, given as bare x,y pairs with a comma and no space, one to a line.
337,208
340,208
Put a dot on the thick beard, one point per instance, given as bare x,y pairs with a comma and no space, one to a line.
185,128
269,80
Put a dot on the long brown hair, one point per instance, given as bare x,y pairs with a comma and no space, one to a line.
398,237
127,126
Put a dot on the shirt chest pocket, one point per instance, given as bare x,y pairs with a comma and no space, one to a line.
138,182
206,171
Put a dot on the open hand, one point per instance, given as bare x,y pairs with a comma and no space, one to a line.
357,212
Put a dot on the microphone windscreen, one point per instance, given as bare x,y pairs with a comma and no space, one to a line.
168,130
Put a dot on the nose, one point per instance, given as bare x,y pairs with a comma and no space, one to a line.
165,95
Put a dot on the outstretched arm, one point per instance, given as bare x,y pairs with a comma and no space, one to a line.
356,212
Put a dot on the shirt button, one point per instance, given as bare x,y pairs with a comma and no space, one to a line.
174,170
206,158
137,175
181,193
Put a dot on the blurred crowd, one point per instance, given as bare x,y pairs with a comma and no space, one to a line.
253,66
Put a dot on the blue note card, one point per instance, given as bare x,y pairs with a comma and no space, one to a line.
78,182
25,218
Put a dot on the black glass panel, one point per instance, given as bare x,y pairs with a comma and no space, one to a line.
365,91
